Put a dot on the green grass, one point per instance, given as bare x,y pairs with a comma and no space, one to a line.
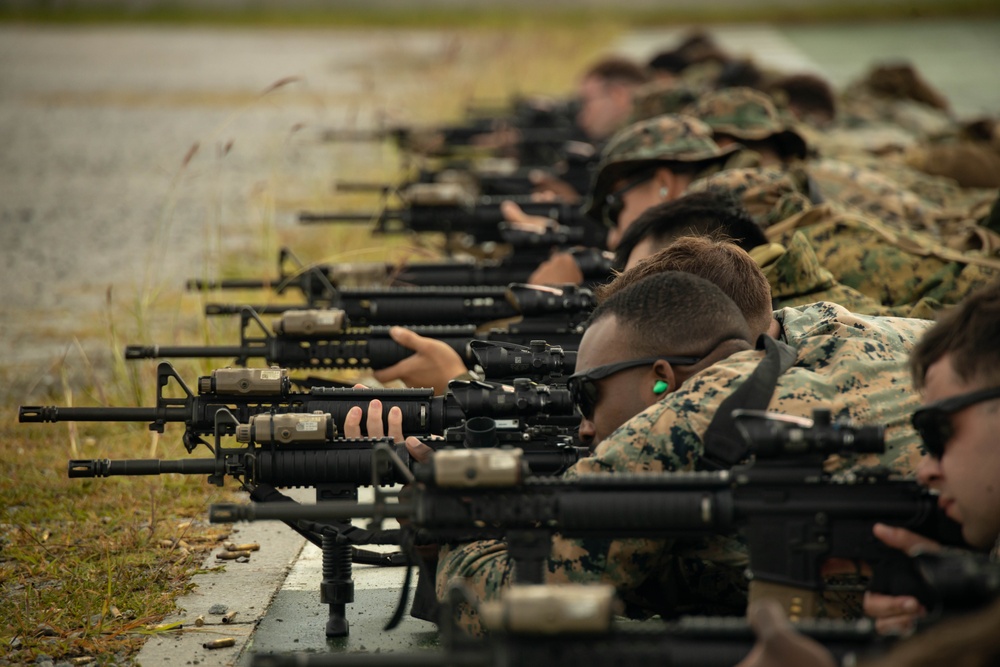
81,561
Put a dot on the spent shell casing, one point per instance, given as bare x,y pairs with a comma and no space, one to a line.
251,546
232,555
228,618
220,643
200,621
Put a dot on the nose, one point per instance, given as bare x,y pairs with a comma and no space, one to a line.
929,471
587,433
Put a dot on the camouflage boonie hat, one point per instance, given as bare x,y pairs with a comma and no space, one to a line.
659,97
748,114
664,139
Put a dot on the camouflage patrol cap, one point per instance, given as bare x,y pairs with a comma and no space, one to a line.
748,114
658,141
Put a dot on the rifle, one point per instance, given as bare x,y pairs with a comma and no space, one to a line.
540,133
246,392
437,305
499,176
454,212
301,450
325,339
792,515
572,625
319,283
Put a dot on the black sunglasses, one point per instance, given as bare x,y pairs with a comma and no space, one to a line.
933,421
583,386
614,204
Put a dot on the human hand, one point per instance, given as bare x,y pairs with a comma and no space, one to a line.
778,644
897,613
559,269
545,183
433,363
419,452
373,425
518,219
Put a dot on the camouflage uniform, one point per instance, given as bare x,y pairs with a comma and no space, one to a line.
750,115
798,278
895,95
894,267
901,269
854,365
861,190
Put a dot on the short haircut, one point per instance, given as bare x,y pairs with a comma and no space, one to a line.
674,313
714,259
696,214
669,61
807,93
616,69
970,334
737,73
699,46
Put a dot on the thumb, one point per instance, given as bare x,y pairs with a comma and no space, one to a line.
538,177
512,212
767,618
408,339
903,539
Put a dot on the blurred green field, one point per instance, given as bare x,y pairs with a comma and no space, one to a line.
467,13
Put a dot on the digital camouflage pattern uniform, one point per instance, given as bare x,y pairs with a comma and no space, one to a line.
894,267
854,365
901,269
896,95
797,278
887,188
862,190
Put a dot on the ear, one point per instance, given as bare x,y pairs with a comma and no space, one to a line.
662,370
676,184
666,184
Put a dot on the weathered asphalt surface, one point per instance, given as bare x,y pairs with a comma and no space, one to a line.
96,123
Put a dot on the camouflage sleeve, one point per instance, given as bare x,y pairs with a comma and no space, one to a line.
485,568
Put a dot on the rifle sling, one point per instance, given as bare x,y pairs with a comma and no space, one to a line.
724,446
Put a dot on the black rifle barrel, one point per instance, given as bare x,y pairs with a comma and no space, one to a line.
54,413
191,351
231,283
129,467
289,466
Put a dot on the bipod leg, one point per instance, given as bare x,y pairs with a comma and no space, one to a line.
337,587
